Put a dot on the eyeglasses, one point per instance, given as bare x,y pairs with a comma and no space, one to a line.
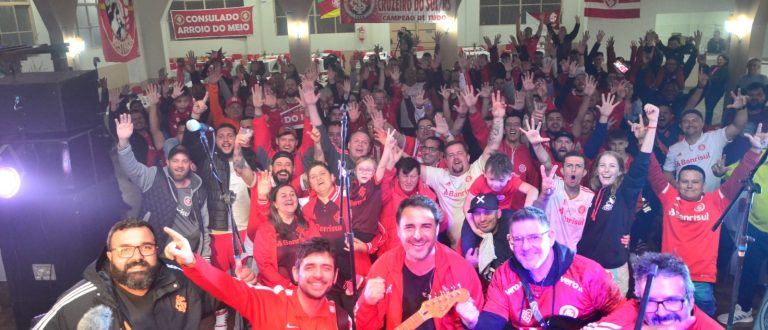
671,305
126,252
425,128
533,239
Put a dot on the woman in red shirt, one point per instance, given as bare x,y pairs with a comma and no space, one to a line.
282,228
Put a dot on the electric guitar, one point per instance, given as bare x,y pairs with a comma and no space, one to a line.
435,308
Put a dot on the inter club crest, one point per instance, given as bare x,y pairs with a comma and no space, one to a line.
359,9
117,24
610,3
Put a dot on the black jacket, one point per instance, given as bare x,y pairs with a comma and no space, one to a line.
179,304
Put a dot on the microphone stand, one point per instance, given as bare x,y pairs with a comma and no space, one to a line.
228,197
646,296
344,204
742,239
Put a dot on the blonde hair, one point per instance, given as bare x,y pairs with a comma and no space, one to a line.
594,178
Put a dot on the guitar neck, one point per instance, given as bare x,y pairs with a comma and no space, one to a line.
413,322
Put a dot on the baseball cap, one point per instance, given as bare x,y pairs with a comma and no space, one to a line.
285,130
484,201
234,99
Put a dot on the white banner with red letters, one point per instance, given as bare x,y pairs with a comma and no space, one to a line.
386,11
212,23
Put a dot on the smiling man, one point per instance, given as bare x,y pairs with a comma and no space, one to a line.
272,308
136,288
530,279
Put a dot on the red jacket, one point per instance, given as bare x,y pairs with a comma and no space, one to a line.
451,270
391,196
624,318
581,290
264,307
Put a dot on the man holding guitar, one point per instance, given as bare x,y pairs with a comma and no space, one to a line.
545,284
406,276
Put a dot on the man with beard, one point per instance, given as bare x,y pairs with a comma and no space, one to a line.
227,176
518,153
272,308
667,133
671,289
487,247
524,290
403,278
172,196
451,184
140,290
432,152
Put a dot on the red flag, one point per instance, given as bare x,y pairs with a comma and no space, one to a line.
117,23
612,9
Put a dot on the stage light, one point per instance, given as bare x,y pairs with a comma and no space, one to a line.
10,182
739,26
76,46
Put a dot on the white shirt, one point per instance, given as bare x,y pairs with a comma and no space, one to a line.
242,205
704,153
567,215
452,191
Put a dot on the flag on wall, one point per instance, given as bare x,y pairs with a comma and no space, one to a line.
612,9
328,8
117,24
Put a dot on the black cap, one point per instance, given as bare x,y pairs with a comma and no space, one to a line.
484,201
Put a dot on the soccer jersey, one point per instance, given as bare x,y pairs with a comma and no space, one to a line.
567,215
509,196
451,193
704,153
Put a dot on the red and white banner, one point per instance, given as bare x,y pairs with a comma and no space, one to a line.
614,9
390,11
212,23
117,24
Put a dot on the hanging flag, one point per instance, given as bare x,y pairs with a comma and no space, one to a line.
612,9
117,24
328,8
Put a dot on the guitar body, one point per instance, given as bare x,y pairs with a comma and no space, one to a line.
434,308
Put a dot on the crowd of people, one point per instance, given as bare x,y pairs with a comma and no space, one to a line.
542,182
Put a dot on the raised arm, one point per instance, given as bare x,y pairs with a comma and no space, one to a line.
497,127
532,131
140,174
741,117
586,101
240,165
154,118
759,141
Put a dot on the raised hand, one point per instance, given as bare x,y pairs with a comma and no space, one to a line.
178,249
191,62
548,180
639,129
437,36
315,135
214,74
739,100
600,36
270,99
759,140
590,86
353,110
519,101
441,125
497,39
257,96
469,96
394,73
123,128
199,106
311,73
485,90
445,92
528,84
264,184
652,112
532,131
307,94
178,89
607,105
418,99
719,169
610,42
499,106
153,96
488,44
513,40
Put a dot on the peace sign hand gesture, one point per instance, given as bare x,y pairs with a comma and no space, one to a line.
199,106
179,249
759,140
547,180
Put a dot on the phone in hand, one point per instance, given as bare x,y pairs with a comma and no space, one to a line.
620,66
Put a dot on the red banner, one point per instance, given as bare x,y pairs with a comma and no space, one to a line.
386,11
117,24
212,23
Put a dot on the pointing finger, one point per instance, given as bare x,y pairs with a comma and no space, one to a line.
177,238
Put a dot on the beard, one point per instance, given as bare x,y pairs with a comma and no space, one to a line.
134,280
178,178
276,176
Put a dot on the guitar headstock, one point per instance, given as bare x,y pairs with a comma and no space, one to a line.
440,305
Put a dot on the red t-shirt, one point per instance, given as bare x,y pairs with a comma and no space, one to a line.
509,197
624,318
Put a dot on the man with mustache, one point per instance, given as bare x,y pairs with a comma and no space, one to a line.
272,308
172,196
487,248
543,279
140,289
670,302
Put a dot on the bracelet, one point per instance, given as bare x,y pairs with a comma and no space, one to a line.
649,127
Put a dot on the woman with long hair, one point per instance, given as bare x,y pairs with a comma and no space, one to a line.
283,227
609,219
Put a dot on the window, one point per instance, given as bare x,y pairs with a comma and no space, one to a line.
16,24
204,4
316,24
500,12
88,23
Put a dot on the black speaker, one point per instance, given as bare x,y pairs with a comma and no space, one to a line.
49,102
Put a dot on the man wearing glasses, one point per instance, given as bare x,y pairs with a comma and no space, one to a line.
128,287
670,302
544,280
